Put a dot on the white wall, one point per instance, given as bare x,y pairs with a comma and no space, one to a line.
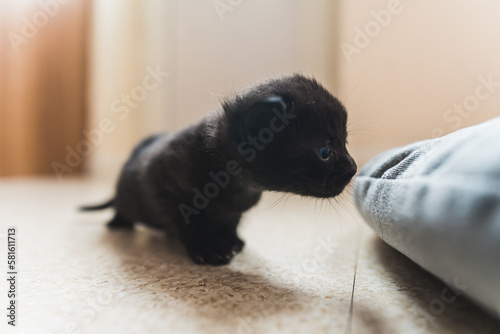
256,40
426,60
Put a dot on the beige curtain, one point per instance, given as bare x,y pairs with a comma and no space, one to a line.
42,84
131,76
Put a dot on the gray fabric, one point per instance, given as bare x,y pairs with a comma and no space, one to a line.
438,202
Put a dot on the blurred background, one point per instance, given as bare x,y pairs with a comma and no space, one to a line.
82,81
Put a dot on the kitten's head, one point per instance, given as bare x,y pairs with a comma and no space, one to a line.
290,135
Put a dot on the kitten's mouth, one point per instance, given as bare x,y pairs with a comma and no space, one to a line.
326,191
332,192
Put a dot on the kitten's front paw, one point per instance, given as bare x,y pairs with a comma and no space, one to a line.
213,249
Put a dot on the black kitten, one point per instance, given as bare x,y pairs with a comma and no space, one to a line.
287,134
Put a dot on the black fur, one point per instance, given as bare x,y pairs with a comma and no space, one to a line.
108,204
201,179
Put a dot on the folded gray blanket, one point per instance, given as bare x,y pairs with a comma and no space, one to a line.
438,202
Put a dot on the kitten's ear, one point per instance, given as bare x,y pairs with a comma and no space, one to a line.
259,115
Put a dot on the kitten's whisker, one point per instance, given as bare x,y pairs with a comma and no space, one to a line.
347,206
346,98
334,207
288,195
364,121
275,203
325,204
331,205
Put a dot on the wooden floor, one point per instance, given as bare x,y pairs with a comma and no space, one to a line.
308,267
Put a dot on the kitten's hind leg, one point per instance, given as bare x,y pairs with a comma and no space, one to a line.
119,221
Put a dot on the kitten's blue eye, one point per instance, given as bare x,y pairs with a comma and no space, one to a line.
325,152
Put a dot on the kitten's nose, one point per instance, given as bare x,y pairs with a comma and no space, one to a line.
352,170
348,168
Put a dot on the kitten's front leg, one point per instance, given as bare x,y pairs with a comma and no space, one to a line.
212,242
